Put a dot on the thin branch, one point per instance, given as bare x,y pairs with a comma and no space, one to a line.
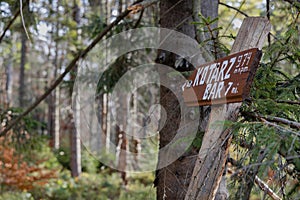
12,21
242,168
281,51
211,32
262,185
289,102
238,11
71,65
231,7
292,124
268,120
139,19
278,127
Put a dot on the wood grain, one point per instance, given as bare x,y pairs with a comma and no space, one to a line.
211,159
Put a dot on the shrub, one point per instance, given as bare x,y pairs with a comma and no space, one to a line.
17,173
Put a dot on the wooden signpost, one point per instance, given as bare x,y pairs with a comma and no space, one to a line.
211,159
226,80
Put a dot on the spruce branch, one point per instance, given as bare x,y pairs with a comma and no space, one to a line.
287,40
269,119
273,120
295,3
290,123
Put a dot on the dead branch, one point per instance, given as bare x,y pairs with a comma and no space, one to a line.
277,126
262,185
72,64
139,19
289,102
12,21
231,7
290,123
269,120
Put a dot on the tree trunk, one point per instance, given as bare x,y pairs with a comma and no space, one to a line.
104,120
8,86
22,88
75,135
122,116
56,118
9,76
134,142
172,181
53,103
75,141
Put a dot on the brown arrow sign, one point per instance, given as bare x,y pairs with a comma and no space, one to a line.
226,80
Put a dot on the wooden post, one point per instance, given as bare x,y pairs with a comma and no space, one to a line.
212,156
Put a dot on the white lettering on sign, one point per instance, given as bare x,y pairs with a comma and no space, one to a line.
223,67
189,84
239,60
215,74
204,75
232,61
196,81
228,88
215,78
215,90
206,92
212,68
247,57
226,79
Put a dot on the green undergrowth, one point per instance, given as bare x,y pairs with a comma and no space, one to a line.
100,186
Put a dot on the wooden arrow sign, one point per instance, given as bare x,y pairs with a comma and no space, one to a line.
226,80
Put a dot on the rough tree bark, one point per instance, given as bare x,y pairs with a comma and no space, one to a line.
172,181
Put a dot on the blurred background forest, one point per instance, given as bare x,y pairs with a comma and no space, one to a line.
42,157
